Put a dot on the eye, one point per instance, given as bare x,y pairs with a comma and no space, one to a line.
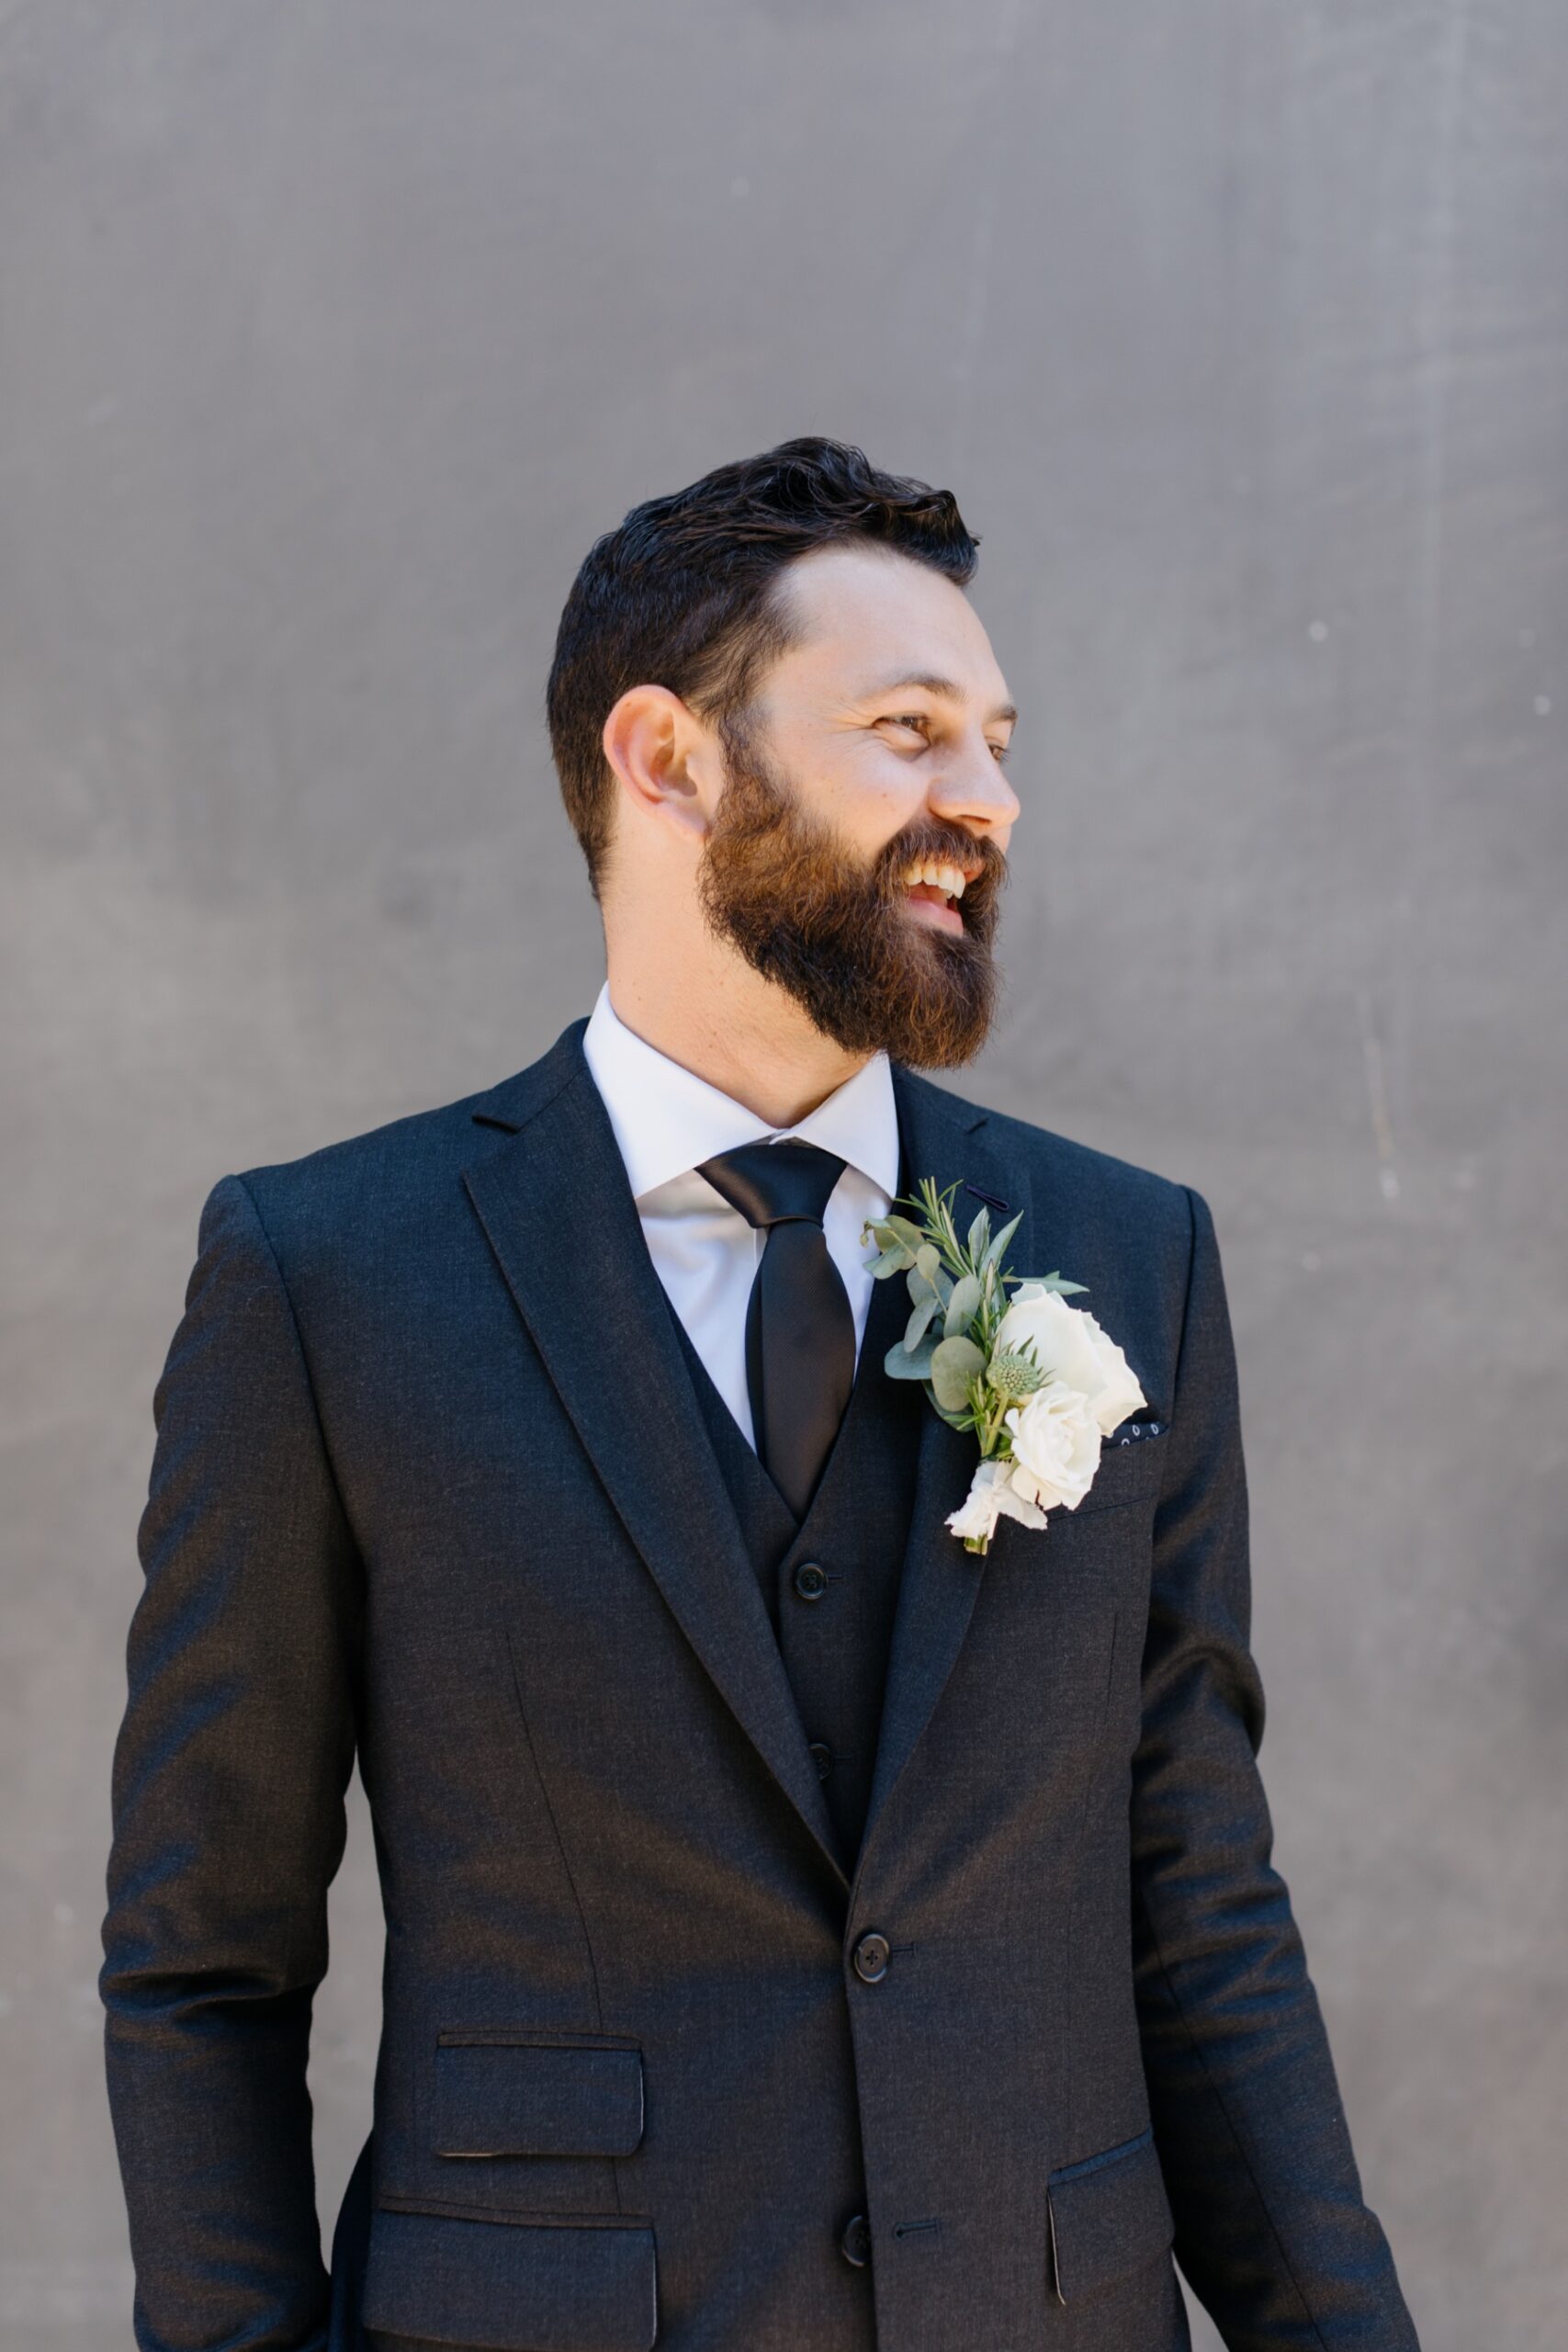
1002,751
916,720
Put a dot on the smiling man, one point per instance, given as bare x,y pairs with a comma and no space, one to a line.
804,1932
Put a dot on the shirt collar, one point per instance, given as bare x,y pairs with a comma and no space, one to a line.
668,1120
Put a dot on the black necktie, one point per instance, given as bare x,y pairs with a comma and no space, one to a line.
800,1329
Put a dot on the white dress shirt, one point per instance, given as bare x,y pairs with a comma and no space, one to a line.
667,1120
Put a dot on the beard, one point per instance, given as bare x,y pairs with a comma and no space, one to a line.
806,913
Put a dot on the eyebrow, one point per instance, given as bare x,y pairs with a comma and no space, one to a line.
943,689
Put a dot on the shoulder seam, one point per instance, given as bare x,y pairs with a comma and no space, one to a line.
270,1247
1185,1331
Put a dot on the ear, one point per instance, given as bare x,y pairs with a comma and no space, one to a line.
665,757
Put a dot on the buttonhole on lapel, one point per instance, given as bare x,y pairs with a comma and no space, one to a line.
913,2228
990,1199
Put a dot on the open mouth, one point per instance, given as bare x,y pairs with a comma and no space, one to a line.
933,888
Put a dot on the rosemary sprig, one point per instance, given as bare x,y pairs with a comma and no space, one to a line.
958,1285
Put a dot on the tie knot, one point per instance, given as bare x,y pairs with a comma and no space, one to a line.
773,1183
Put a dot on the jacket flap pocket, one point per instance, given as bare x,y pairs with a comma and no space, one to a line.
1108,2213
537,2095
511,2286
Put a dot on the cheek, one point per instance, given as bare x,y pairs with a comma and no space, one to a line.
870,799
853,782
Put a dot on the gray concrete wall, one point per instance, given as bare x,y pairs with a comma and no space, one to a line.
328,337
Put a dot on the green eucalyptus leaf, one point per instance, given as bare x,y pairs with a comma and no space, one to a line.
892,1233
954,1364
920,1320
956,1420
906,1363
980,1235
890,1261
928,1263
962,1306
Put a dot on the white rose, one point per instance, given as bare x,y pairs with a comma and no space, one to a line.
992,1496
1055,1443
1069,1346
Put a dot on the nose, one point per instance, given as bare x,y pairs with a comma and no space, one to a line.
972,789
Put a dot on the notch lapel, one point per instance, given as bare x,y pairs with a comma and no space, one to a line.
942,1137
556,1206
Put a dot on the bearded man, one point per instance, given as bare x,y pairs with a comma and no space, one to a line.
807,1929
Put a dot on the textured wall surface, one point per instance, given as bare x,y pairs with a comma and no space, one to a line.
331,335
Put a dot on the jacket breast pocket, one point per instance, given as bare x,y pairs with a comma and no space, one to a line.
497,2285
1108,2213
1129,1471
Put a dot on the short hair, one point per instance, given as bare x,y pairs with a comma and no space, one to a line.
682,594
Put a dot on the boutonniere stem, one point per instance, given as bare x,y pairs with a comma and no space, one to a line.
1038,1382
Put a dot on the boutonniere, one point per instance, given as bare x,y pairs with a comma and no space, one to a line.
1038,1381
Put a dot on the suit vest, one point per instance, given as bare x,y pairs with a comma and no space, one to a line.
830,1581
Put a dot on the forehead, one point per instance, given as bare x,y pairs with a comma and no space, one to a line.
865,614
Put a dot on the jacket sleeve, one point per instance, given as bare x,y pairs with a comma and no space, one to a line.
229,1770
1272,2231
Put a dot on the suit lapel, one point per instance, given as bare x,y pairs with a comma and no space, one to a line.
942,1137
556,1206
559,1215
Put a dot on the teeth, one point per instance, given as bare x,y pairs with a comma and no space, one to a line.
937,872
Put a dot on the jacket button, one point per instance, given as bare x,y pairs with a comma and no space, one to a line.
855,2243
810,1580
872,1955
822,1757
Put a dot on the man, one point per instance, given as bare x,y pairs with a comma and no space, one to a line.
804,1933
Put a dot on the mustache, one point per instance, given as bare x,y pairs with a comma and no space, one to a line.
949,844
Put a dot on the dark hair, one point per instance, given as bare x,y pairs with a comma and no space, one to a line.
681,594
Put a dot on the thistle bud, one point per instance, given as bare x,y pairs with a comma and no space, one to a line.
1014,1375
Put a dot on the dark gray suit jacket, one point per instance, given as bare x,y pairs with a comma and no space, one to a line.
431,1486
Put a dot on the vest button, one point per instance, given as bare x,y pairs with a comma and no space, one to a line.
872,1955
822,1757
855,2243
810,1580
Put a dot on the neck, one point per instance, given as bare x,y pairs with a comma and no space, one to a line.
728,1025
